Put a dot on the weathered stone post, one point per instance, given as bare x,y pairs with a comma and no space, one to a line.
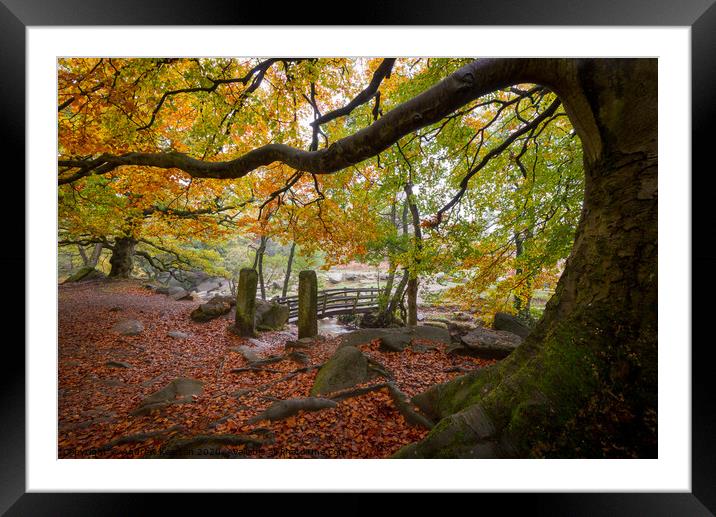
307,304
246,302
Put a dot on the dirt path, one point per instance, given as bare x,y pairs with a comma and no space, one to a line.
95,400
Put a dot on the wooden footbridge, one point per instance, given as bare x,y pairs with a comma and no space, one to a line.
334,302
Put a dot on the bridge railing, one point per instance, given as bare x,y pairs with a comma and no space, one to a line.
333,302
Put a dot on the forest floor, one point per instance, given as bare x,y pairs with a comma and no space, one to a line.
96,400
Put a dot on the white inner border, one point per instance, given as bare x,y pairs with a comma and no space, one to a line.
672,471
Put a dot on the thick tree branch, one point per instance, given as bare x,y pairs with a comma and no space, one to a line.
466,84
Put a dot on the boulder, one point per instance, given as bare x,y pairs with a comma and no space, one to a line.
461,327
491,343
510,323
430,333
395,339
223,299
209,311
210,284
175,282
176,334
270,315
178,391
187,280
128,327
346,368
85,274
335,278
178,293
247,352
361,337
350,277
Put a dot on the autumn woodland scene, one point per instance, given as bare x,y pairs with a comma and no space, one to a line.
379,257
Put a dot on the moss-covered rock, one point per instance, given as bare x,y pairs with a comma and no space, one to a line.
128,327
510,323
178,391
209,311
491,343
346,368
395,339
270,315
85,274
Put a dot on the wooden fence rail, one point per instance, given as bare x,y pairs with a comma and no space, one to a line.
333,302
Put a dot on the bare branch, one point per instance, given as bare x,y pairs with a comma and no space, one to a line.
531,126
383,71
259,71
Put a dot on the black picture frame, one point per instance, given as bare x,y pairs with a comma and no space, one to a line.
700,15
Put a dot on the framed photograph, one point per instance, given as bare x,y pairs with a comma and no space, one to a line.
423,252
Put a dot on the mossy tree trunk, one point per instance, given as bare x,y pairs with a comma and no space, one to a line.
584,383
122,259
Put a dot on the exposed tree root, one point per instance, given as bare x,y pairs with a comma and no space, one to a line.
400,399
290,407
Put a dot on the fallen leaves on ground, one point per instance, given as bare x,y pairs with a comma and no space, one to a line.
95,400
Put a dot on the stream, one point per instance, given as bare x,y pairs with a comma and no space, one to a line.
332,327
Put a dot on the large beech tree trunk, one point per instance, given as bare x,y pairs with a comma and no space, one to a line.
584,382
122,259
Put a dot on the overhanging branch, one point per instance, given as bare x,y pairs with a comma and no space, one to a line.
468,83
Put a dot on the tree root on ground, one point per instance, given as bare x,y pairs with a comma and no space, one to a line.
290,407
399,398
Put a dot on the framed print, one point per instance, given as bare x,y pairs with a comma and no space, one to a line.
415,253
